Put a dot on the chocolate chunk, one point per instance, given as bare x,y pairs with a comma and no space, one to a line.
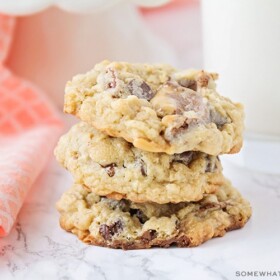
173,99
184,158
149,235
184,99
123,205
187,83
139,214
211,164
107,232
104,230
117,204
140,89
110,169
217,118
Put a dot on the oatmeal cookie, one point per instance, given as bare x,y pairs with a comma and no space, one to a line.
123,224
157,108
113,167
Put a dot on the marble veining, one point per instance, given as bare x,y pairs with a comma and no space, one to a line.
38,249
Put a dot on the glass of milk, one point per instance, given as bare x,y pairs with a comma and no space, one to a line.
242,43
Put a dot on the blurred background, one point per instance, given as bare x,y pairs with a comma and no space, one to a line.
51,44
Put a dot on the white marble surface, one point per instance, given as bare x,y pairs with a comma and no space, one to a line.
38,249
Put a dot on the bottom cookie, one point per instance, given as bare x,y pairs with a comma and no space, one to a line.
127,225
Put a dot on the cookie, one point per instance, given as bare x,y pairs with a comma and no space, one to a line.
113,167
157,108
123,224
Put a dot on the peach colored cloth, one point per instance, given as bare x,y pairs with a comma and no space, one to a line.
29,128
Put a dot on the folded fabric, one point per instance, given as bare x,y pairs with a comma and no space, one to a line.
29,128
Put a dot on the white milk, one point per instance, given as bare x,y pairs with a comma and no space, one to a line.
242,43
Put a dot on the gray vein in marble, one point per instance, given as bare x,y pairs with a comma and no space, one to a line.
190,260
145,264
269,182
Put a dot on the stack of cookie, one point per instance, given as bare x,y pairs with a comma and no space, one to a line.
145,157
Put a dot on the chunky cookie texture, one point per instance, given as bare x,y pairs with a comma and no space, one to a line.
128,225
113,167
157,108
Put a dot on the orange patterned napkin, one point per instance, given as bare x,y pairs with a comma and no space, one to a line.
29,128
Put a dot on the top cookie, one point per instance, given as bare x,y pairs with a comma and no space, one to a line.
157,108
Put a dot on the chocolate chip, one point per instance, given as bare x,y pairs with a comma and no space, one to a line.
217,118
149,235
110,169
211,165
107,232
187,83
140,89
139,214
184,158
